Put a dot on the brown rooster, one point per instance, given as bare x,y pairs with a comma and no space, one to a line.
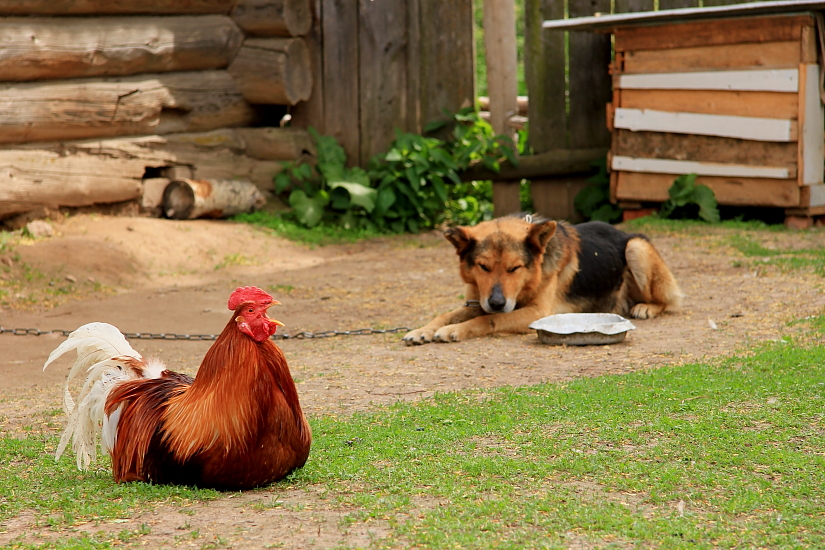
237,425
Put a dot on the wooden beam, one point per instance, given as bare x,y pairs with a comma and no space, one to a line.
759,129
765,55
633,186
108,7
812,117
145,104
502,62
769,80
812,196
703,148
713,102
273,17
273,71
678,167
778,28
75,47
558,162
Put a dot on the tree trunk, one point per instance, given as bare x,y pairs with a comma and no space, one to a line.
274,71
274,17
190,199
59,48
145,104
559,162
114,7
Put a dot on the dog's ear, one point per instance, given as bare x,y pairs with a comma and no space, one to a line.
539,235
461,239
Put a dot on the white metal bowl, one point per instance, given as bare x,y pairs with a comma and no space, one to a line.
582,329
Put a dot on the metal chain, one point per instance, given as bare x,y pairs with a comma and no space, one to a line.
166,336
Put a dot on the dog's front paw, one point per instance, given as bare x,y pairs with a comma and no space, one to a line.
450,333
646,311
418,336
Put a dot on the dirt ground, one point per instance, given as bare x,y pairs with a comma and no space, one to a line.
149,275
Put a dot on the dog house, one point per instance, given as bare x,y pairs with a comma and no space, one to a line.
732,94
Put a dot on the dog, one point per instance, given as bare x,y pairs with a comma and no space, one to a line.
521,268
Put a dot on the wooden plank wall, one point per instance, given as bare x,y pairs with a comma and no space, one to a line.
394,64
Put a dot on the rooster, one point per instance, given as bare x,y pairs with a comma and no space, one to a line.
237,425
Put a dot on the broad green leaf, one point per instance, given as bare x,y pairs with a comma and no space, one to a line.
440,188
394,155
386,198
339,199
708,208
282,182
413,178
309,210
359,194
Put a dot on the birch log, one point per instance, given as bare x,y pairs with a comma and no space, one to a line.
274,71
274,17
188,199
114,7
81,173
74,47
145,104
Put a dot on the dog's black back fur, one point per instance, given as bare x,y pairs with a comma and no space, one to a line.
602,265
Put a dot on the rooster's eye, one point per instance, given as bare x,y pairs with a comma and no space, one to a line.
250,310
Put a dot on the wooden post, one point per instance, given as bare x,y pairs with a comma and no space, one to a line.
502,83
339,28
502,61
544,72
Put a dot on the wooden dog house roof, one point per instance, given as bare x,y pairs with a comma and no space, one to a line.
608,22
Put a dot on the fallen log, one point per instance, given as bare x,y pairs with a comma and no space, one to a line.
75,47
145,104
113,7
559,162
189,199
273,71
273,17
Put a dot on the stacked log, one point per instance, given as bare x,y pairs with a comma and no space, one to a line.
92,106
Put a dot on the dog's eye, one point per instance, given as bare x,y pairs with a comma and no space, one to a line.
514,269
484,268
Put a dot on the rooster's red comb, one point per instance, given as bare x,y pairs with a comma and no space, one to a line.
248,294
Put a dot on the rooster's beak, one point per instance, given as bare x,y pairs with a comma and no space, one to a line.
274,321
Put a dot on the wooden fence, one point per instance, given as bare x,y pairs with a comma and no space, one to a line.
384,65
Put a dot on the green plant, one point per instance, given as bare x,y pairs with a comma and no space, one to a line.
593,202
688,200
416,184
329,189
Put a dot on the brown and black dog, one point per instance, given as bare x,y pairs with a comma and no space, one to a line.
519,269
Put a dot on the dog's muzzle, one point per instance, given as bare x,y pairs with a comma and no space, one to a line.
496,302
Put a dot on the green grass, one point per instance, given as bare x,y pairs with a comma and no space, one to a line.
317,236
785,259
721,455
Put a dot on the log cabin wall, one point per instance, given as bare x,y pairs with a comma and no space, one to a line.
103,102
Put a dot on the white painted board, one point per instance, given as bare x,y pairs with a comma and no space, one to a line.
758,129
761,80
669,166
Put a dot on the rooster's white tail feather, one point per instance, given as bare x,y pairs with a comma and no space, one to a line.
108,359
